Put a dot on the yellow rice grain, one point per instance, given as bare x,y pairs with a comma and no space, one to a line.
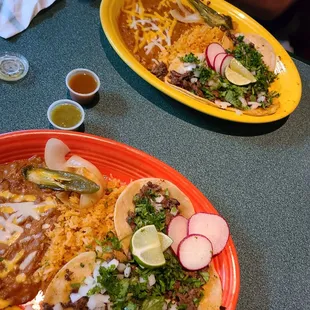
76,229
193,40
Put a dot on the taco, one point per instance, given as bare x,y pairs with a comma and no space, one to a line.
107,278
125,206
237,79
126,220
75,271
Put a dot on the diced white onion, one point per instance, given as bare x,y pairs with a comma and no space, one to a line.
194,80
173,307
83,290
121,267
127,271
254,105
142,280
58,306
97,301
159,199
243,102
222,104
75,297
261,99
89,280
174,211
151,280
98,248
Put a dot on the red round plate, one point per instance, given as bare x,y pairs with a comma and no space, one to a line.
126,163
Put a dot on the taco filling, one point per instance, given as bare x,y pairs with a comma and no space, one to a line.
227,88
195,49
151,276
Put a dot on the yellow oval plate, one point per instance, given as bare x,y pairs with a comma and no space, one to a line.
288,83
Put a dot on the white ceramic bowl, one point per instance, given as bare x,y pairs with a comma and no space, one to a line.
61,102
79,97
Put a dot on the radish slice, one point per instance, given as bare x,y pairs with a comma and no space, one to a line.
218,62
226,61
212,226
54,154
212,51
195,252
177,231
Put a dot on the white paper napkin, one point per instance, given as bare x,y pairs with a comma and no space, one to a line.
16,15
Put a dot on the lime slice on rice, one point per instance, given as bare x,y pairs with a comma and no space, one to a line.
165,241
236,78
146,247
237,66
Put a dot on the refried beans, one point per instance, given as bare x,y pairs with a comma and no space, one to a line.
17,285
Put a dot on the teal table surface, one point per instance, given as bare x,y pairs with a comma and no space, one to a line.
256,176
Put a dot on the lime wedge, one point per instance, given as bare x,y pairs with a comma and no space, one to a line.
146,248
236,78
165,241
237,66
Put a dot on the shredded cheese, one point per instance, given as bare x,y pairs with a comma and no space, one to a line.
27,261
15,214
20,278
150,29
16,197
9,265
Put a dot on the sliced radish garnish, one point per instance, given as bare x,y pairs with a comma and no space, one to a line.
195,252
226,61
212,51
218,62
212,226
54,154
177,231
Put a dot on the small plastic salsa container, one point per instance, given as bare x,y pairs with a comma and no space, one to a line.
66,114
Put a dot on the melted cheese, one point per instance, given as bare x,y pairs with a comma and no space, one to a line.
10,265
27,261
150,29
20,278
15,214
4,303
17,197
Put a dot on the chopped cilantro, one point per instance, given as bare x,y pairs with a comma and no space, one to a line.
1,259
204,73
205,276
155,303
146,214
110,243
82,265
114,240
208,93
190,58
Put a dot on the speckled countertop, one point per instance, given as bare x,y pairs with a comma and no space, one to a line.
257,176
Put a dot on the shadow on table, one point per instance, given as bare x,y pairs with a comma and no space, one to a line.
180,110
254,279
93,3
